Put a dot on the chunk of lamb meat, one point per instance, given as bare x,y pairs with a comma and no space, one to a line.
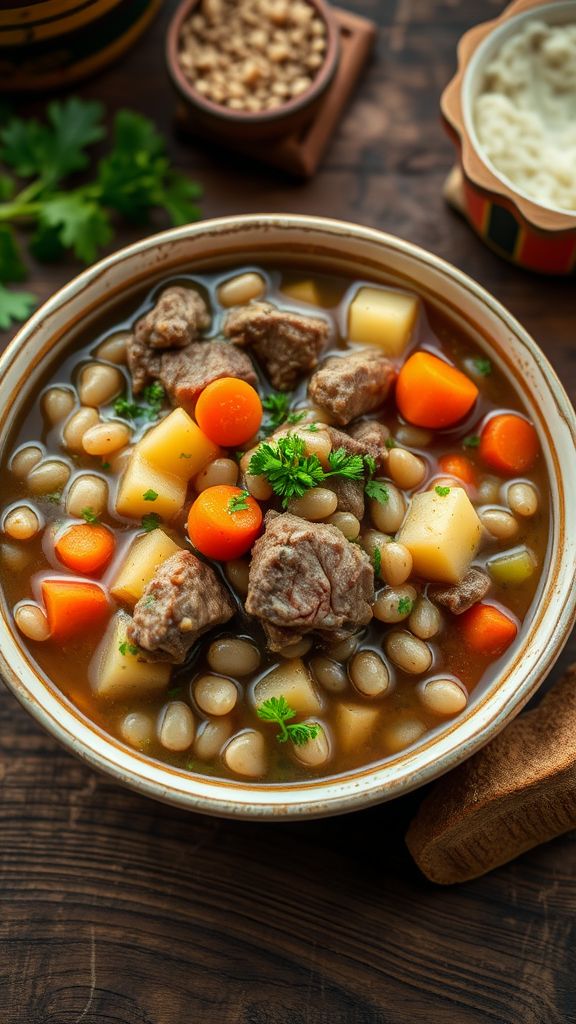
186,373
350,493
352,385
184,599
178,317
463,595
306,577
287,344
372,435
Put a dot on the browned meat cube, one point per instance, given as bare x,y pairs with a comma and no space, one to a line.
372,435
352,385
287,344
463,595
350,494
306,577
178,317
184,374
184,599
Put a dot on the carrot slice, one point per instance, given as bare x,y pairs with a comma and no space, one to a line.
86,548
229,411
459,466
486,630
73,606
509,444
224,522
431,393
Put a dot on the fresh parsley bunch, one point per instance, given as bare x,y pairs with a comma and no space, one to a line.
38,158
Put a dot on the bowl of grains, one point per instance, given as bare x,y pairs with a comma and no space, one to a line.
252,69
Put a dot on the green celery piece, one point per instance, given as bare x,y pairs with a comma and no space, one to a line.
512,568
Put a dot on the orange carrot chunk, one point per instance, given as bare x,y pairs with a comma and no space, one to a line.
73,607
229,411
486,630
85,548
509,444
431,393
224,522
458,466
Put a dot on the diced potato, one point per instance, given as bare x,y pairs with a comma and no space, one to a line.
378,316
512,567
292,681
177,446
442,533
114,675
145,554
355,724
141,478
303,291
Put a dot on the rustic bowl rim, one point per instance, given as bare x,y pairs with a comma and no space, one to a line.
518,680
318,85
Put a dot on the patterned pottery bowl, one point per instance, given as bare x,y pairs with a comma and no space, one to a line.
338,247
512,223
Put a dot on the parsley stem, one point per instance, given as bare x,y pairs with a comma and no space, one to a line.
17,210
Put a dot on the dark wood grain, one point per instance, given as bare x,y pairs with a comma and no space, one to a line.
116,910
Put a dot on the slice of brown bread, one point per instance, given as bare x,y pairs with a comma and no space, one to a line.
515,793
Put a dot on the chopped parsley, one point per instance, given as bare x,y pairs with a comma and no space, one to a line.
442,491
482,366
90,516
472,441
377,560
378,490
106,466
390,442
174,691
127,648
238,502
277,405
278,710
151,521
296,417
54,496
150,495
149,409
404,606
126,409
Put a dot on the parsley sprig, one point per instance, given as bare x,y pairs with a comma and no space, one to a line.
278,710
149,408
290,472
238,502
278,406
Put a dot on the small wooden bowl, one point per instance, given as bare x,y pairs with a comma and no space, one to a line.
247,126
531,235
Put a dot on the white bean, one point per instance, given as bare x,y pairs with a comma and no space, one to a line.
296,650
413,437
425,620
21,523
369,673
347,523
23,461
345,649
395,563
32,622
315,752
395,604
48,477
237,291
113,349
406,469
489,490
137,729
219,471
387,516
119,460
105,438
211,737
316,504
215,695
87,491
246,754
316,442
15,557
232,656
237,572
499,523
329,674
258,486
408,652
523,499
402,733
99,383
76,427
57,404
176,726
443,697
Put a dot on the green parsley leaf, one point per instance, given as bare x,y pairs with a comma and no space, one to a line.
78,221
14,306
7,186
370,464
151,521
90,516
473,441
55,497
54,149
442,491
390,442
377,490
287,469
149,409
126,409
127,648
296,417
150,495
278,710
405,606
277,405
106,466
312,427
377,560
179,198
483,366
238,502
342,464
11,265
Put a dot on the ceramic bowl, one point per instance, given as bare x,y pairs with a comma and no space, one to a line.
536,237
243,126
308,242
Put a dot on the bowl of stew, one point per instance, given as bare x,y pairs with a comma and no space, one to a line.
284,526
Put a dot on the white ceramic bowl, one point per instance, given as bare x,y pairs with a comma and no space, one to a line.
353,250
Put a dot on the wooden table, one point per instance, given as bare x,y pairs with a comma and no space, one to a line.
118,910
